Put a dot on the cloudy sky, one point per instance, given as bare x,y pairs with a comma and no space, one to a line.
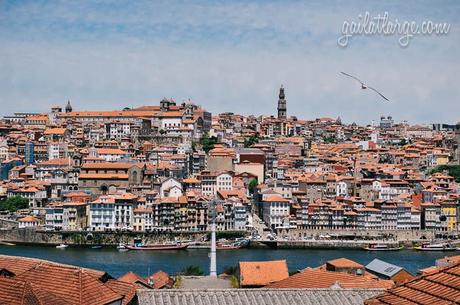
228,56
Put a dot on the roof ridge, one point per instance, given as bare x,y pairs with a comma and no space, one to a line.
261,289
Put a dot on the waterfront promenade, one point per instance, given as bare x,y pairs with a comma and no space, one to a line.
326,239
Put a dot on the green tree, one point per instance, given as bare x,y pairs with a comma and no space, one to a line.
192,270
231,270
14,203
208,142
252,186
453,170
248,142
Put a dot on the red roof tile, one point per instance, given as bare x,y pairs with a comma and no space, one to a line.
262,273
441,287
316,278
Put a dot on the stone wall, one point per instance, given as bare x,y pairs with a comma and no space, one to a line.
398,235
31,236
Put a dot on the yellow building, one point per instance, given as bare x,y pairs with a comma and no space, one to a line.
449,209
442,158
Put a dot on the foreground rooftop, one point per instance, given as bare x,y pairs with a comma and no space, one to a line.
256,296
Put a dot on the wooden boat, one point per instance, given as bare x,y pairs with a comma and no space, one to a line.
4,243
139,245
228,247
435,247
382,247
238,244
157,247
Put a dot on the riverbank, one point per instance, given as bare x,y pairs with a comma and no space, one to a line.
90,238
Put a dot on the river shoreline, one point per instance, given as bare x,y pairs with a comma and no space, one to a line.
87,239
117,263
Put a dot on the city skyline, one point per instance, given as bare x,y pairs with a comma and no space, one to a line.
226,57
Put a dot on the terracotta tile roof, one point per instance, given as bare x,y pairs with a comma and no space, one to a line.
344,263
108,114
191,180
104,176
170,114
441,287
55,162
133,278
28,218
262,273
127,290
14,292
75,285
275,198
50,131
37,118
316,278
45,282
110,151
160,279
109,165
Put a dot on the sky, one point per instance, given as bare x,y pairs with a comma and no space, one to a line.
228,56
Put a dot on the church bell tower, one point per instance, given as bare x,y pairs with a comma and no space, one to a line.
282,105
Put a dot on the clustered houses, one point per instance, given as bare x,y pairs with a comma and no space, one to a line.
162,168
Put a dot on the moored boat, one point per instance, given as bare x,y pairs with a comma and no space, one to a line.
228,247
158,247
4,243
435,247
61,246
139,245
238,244
382,247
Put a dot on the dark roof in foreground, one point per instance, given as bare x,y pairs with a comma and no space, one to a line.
384,268
440,287
256,296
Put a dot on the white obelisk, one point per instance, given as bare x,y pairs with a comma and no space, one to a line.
213,263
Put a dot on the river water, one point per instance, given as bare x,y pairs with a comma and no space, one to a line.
146,262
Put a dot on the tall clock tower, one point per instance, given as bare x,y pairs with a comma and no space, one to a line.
282,105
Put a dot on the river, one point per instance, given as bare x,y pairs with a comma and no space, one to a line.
144,262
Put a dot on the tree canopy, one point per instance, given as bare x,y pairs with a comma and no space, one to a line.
14,203
248,142
208,142
453,170
192,270
252,186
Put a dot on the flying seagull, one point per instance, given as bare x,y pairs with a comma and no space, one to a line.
364,86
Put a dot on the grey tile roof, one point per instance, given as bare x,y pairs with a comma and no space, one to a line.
198,282
380,267
256,296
